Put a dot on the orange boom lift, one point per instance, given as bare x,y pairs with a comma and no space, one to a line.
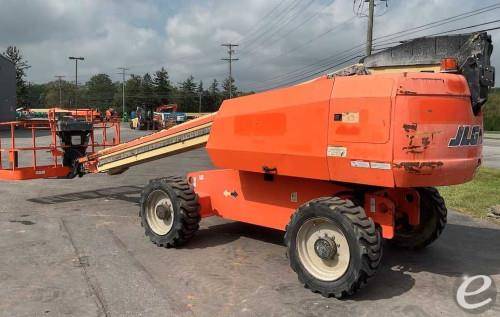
338,163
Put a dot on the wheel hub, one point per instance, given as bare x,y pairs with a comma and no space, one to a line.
162,212
325,248
159,212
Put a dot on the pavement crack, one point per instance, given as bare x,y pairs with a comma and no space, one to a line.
93,287
176,308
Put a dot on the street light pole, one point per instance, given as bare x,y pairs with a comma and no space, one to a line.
76,59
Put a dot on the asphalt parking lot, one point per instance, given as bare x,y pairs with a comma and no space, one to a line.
76,247
491,151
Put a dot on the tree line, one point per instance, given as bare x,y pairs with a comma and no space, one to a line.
101,92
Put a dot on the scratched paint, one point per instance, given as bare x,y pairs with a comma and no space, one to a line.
422,168
418,142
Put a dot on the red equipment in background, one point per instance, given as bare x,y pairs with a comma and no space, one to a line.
68,135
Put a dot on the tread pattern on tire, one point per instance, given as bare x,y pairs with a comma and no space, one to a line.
367,235
189,207
436,201
442,213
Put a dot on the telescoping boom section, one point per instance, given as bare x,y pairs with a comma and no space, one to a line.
178,139
339,162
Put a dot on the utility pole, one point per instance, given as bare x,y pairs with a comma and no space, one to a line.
60,77
369,35
199,105
230,51
76,59
123,73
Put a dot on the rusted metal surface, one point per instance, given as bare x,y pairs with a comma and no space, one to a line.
418,142
422,168
409,127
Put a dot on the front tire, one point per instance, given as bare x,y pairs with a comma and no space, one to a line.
333,246
169,211
433,218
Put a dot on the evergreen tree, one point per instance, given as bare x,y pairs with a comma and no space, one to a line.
162,86
226,84
214,96
188,96
147,90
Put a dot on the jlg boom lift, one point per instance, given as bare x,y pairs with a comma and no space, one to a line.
359,168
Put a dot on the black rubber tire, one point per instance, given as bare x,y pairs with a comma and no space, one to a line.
433,214
186,211
364,239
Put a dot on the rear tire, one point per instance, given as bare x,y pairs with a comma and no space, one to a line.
433,214
169,211
333,246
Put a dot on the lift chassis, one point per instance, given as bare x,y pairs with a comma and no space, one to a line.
338,163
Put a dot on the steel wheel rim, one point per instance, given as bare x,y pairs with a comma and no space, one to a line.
159,199
330,269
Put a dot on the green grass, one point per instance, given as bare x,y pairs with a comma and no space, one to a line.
476,196
492,111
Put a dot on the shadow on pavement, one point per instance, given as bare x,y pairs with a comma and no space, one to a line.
119,193
226,233
461,250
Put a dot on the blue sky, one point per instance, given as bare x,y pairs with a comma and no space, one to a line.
185,36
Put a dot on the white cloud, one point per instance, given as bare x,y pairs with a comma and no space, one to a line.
146,35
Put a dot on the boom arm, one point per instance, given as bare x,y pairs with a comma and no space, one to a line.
178,139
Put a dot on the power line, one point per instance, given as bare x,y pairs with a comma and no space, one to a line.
315,64
335,28
393,36
276,22
271,23
461,29
270,36
301,24
434,34
350,59
318,12
257,25
435,24
327,62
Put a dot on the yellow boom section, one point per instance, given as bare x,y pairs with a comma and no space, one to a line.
181,138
